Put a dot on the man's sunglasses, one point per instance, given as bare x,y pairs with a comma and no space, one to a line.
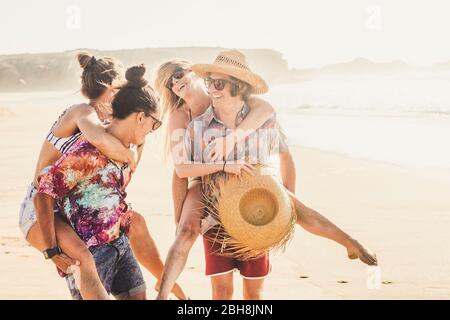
177,74
219,84
156,124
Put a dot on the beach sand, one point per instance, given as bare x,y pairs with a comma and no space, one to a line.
401,214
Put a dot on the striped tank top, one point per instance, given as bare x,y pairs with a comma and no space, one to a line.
62,144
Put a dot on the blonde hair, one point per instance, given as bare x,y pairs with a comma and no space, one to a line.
169,101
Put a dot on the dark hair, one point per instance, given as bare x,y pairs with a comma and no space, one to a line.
240,88
97,74
135,95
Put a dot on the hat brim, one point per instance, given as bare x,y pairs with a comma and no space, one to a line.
259,86
243,239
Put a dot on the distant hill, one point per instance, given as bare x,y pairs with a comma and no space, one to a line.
55,71
52,71
359,66
444,66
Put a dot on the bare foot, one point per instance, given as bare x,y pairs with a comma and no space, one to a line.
177,291
356,251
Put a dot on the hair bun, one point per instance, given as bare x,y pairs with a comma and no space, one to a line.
83,58
135,76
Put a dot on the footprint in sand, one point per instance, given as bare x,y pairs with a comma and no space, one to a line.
11,244
13,241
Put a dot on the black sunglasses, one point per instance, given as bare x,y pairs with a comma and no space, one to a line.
219,84
177,74
156,124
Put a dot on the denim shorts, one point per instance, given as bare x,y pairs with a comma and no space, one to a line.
27,214
118,269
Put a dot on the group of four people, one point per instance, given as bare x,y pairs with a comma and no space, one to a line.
75,210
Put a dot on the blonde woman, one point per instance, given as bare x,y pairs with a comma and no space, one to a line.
228,83
99,79
183,97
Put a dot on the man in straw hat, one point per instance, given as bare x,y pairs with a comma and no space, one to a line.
230,81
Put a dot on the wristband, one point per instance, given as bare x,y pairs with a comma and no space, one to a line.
51,252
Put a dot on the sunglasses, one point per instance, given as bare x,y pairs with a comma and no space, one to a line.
156,124
219,84
177,74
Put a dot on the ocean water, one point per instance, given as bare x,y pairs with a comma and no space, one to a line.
399,120
402,120
407,141
416,93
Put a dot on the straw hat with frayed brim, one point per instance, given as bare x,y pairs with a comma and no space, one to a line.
255,214
233,63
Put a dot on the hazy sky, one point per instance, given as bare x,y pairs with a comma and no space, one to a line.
308,33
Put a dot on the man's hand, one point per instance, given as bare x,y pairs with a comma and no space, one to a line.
220,148
63,262
356,251
238,168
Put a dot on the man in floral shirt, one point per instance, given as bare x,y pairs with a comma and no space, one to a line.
89,189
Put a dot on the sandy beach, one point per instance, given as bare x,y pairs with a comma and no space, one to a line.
401,214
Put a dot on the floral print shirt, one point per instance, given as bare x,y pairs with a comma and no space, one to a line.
89,190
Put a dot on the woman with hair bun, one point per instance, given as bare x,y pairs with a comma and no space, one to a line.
89,189
99,81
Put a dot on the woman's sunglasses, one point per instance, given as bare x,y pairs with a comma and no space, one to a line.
177,74
219,84
156,124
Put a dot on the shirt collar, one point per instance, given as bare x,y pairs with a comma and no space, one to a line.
210,115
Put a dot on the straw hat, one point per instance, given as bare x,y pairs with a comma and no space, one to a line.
233,63
255,214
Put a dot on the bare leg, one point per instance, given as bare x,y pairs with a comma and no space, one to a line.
222,286
253,289
146,252
179,191
91,287
314,222
188,231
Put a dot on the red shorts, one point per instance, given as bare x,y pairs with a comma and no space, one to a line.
217,265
